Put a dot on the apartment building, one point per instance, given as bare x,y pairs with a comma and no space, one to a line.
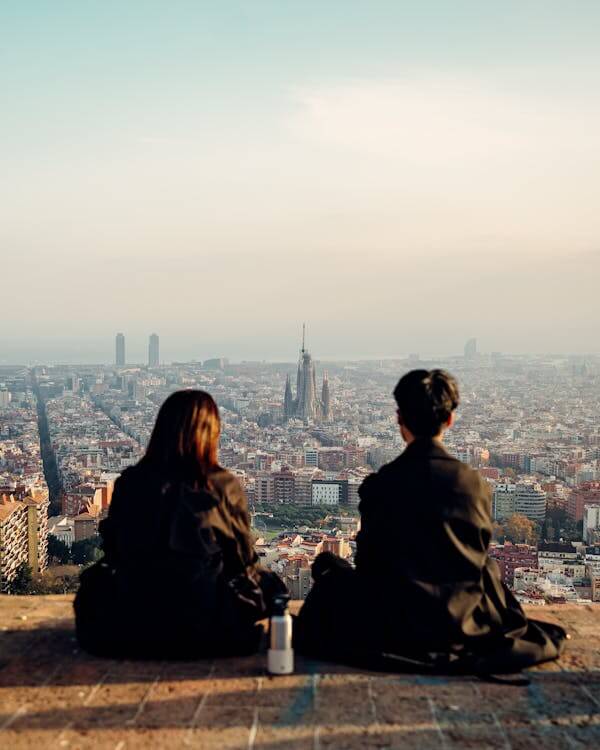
503,500
23,534
530,501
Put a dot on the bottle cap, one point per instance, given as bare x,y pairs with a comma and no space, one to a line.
280,604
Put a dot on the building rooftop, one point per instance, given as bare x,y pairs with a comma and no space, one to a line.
53,695
565,547
8,507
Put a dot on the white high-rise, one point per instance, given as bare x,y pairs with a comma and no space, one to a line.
120,350
530,501
504,501
153,351
591,523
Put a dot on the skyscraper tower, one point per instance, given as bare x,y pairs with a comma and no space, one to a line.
471,350
153,355
325,399
120,350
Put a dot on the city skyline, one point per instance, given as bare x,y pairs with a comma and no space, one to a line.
101,351
413,172
300,373
95,352
74,352
528,426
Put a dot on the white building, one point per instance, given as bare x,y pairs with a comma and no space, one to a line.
504,501
63,528
591,522
311,457
525,578
592,560
326,493
353,496
555,555
530,501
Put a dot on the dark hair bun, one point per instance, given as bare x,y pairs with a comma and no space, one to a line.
426,399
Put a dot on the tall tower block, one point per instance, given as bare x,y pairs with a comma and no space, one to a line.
153,352
120,350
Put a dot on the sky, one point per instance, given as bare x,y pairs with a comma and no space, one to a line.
400,175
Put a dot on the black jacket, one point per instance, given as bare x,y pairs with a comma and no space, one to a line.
179,575
422,552
424,586
156,519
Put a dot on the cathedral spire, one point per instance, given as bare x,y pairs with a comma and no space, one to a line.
288,399
306,405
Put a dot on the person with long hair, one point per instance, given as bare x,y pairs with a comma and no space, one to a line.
180,576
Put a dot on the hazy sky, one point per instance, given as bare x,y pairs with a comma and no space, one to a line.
401,175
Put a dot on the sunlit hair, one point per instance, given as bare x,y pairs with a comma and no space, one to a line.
185,439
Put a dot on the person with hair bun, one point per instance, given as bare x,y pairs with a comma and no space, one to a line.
180,576
424,590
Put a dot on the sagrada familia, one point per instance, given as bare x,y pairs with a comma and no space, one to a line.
306,405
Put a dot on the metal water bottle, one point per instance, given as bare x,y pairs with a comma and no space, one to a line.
280,657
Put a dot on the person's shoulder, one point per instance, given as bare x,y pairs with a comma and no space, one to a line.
388,472
141,482
129,473
128,477
226,484
373,484
125,491
469,493
467,476
136,474
459,475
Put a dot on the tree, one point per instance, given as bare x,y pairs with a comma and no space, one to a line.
21,583
498,533
86,551
58,551
548,532
521,530
62,584
558,516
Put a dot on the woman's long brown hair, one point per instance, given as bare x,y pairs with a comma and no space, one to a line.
185,440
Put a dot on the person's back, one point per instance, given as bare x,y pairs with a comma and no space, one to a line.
179,575
423,581
425,529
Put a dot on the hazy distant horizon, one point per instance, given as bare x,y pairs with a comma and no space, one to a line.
401,175
84,352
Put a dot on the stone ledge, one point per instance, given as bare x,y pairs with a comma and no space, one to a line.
52,695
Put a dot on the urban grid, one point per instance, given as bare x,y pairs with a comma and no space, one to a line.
301,438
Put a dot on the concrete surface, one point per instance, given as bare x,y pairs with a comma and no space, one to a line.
54,696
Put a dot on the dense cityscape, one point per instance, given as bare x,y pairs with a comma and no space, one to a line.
301,437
